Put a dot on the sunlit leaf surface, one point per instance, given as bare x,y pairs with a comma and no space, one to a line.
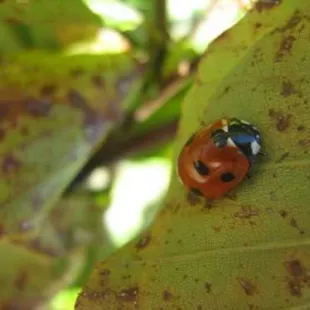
250,250
45,24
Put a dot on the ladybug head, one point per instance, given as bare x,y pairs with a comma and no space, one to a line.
240,134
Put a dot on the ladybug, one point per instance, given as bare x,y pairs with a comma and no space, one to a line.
218,157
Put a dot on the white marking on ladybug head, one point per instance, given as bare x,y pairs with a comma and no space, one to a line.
231,143
224,122
255,147
225,128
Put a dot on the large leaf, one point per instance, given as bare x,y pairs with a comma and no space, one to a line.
54,112
45,24
249,251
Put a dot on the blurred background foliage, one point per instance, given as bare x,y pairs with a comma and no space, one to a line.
129,173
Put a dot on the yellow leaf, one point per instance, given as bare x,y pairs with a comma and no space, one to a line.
249,251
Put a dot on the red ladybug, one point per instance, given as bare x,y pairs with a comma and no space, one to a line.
217,158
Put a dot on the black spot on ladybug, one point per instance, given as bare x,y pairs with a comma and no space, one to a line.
196,191
201,168
227,177
190,140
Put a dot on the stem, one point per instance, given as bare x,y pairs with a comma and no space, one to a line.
158,40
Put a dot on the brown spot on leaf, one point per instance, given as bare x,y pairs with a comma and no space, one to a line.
283,213
304,142
283,157
208,287
143,242
4,109
246,212
176,208
287,89
258,53
224,35
283,123
29,304
294,223
129,295
38,246
282,120
48,90
262,5
294,288
294,268
301,128
2,134
97,81
217,229
257,25
293,22
10,164
2,231
225,91
37,108
77,72
167,295
21,280
248,286
298,276
93,296
285,47
24,131
79,102
104,272
13,21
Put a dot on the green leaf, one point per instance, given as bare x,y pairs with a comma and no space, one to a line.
251,250
45,24
55,111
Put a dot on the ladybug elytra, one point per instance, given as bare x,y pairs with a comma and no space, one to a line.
218,157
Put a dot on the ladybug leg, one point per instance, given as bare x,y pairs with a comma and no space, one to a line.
193,196
230,196
208,203
248,174
262,153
